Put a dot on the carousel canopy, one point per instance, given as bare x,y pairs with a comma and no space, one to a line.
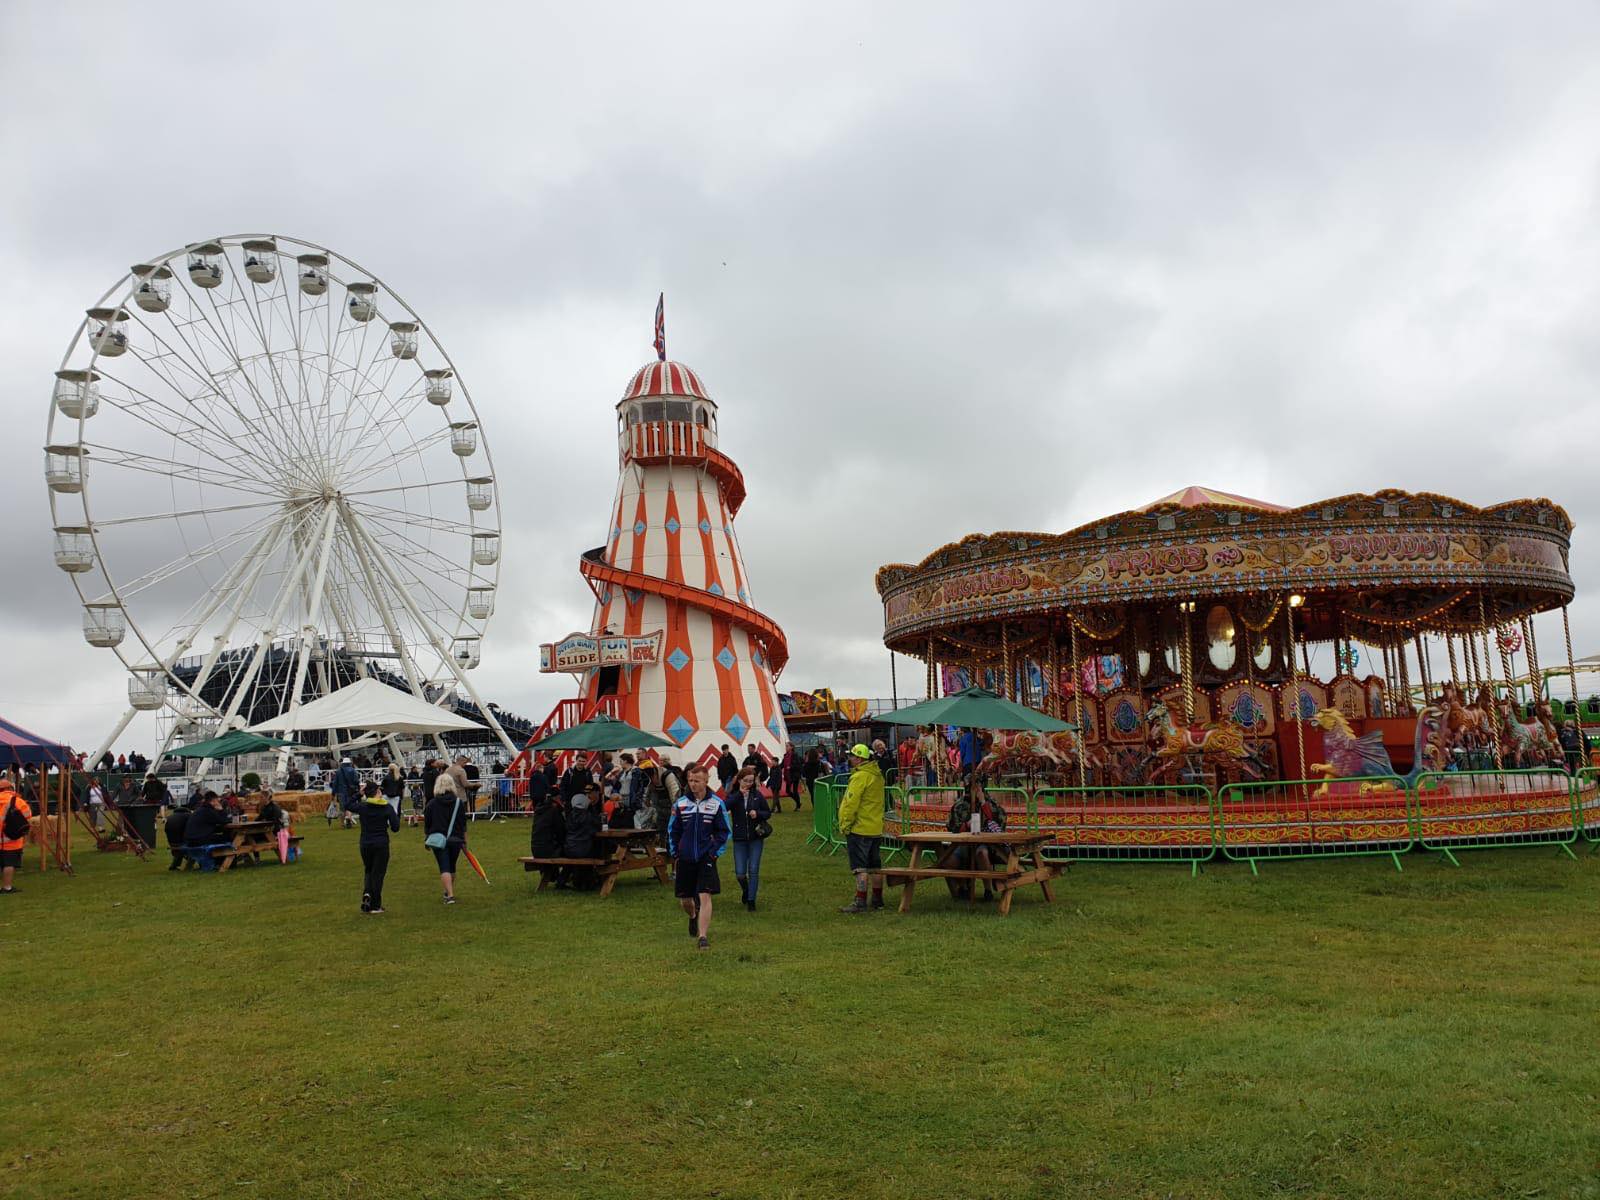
1195,496
1376,567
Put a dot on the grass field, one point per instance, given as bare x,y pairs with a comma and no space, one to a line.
1327,1029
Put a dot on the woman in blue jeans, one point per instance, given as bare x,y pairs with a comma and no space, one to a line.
747,807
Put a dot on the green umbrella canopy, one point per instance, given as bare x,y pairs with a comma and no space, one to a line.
229,745
975,708
601,732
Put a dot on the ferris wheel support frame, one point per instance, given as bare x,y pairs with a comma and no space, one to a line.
219,594
259,653
308,631
444,652
262,552
395,640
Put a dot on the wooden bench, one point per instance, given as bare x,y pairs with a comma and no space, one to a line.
1017,845
251,852
628,850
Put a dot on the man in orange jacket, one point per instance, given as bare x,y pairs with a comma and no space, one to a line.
12,806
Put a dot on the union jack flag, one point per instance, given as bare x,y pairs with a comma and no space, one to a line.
661,327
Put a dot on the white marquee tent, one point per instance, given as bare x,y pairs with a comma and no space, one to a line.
369,705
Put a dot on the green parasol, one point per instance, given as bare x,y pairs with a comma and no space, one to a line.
975,708
229,745
601,732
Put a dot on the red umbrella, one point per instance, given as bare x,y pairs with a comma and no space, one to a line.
476,866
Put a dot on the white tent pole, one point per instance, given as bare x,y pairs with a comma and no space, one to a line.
285,594
433,636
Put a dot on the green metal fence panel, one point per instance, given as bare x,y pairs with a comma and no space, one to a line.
822,813
1473,810
1586,802
1128,824
1311,818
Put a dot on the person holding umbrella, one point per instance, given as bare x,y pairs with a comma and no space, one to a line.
445,825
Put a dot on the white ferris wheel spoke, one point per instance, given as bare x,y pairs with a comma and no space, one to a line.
111,456
424,521
190,512
197,365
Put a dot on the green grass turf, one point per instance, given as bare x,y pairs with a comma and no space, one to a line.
1329,1029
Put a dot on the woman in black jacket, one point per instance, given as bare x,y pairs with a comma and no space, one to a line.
747,807
446,815
548,836
393,786
377,818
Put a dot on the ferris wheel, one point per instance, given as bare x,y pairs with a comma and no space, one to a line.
266,478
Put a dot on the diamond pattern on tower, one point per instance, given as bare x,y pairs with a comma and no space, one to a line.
725,659
744,596
680,731
705,525
639,527
634,595
672,525
678,660
774,728
736,727
715,589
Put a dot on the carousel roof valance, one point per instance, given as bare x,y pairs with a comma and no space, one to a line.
1395,559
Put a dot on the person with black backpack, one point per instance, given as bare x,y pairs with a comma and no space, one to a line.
16,820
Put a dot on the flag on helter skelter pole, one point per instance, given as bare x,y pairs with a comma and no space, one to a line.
661,327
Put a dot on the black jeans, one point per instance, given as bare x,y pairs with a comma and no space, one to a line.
375,858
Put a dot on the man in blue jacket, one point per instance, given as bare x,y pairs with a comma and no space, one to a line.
347,790
697,834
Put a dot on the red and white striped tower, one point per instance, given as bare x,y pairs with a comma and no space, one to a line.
671,562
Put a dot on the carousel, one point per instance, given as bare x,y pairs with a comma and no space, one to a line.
1210,639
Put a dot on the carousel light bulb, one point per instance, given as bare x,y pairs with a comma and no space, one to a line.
1296,600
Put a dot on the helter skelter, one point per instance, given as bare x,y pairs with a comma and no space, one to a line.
1210,639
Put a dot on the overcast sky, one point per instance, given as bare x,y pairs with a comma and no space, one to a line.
1001,266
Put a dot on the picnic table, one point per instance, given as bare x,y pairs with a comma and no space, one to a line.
616,851
1016,845
251,839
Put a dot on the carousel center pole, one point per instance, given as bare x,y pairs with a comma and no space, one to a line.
1188,662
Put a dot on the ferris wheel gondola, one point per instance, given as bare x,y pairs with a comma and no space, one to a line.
263,469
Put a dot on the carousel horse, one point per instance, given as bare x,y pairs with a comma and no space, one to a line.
1350,757
1023,752
1173,744
1468,726
1523,743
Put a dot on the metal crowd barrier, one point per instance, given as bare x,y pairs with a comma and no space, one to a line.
1586,805
1310,818
1175,823
1475,810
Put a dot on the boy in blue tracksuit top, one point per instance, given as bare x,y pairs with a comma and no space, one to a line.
697,834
